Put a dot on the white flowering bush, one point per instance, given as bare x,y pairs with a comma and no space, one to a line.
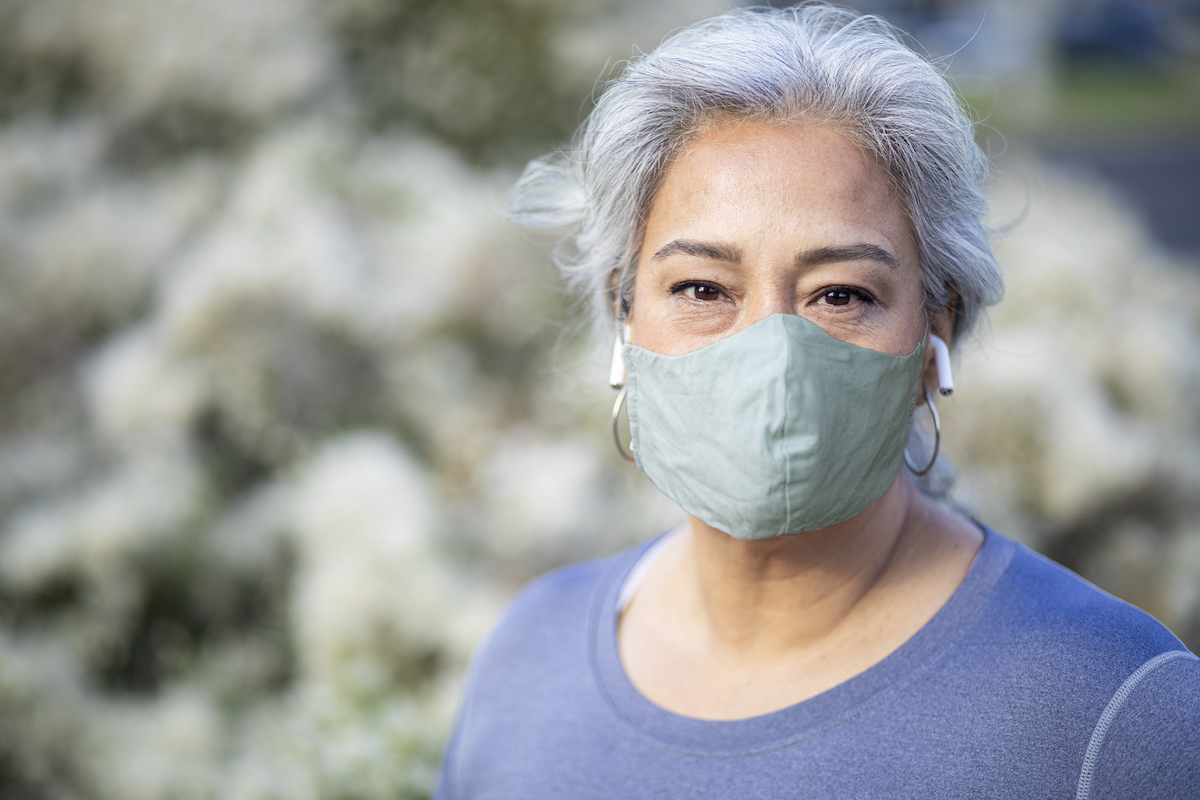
288,410
280,415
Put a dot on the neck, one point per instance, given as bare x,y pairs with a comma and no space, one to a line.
727,629
788,592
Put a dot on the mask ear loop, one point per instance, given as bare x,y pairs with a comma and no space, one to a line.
937,441
616,379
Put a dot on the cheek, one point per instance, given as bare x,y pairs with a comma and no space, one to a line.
652,329
916,303
909,303
913,328
644,318
898,327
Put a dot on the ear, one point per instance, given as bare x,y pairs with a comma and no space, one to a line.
943,328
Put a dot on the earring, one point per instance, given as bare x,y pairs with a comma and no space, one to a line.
937,441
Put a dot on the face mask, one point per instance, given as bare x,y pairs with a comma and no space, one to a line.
779,428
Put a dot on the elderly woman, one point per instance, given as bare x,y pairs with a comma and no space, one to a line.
782,212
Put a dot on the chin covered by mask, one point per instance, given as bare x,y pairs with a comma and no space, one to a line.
779,428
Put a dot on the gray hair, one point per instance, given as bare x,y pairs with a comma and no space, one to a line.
813,62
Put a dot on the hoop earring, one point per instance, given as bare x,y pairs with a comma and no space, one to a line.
616,435
937,441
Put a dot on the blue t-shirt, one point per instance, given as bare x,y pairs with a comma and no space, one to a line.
1028,683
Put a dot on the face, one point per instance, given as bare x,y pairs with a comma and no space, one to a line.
758,219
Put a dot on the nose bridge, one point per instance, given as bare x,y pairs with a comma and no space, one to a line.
774,293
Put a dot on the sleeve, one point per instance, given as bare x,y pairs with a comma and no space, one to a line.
1147,742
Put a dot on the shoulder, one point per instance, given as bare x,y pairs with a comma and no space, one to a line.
554,602
1045,641
1146,743
1115,695
531,677
546,626
1144,733
1046,608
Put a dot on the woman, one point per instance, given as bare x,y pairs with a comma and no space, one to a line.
781,210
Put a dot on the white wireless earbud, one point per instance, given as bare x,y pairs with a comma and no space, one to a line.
941,355
616,373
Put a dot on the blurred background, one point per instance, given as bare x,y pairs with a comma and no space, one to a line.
288,411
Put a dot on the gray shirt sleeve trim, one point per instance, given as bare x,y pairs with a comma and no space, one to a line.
1110,713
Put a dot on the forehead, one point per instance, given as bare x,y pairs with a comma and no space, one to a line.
792,185
814,151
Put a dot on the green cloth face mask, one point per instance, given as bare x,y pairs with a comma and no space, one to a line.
779,428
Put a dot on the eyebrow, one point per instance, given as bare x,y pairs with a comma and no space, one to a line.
810,258
853,252
717,252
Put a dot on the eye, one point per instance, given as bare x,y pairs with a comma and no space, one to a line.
698,290
844,296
